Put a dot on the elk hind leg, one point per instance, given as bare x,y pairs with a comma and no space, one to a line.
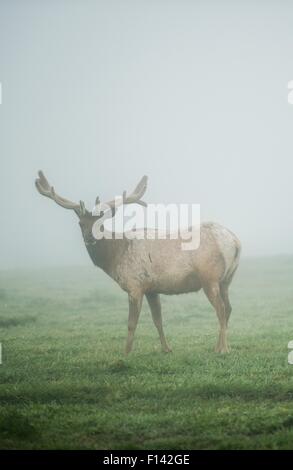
224,287
225,296
213,293
155,306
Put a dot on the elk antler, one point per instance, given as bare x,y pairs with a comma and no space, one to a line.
136,195
133,198
45,189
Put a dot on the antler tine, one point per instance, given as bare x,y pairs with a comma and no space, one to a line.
45,189
133,198
42,184
136,195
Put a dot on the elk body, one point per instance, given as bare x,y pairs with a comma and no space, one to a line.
144,267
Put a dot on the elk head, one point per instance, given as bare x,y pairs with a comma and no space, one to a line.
86,218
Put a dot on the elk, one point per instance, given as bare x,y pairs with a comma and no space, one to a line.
144,267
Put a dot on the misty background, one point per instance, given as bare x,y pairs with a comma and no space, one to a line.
99,93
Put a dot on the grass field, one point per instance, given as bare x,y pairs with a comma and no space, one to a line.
66,384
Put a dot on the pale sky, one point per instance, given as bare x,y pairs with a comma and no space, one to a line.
99,93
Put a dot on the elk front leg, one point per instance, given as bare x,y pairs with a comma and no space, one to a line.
135,302
155,306
213,293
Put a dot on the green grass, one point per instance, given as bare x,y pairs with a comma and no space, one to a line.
66,384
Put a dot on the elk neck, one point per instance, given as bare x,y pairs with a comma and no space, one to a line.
105,253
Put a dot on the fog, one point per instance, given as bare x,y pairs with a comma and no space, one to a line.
98,93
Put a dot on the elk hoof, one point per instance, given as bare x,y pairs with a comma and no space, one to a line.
222,350
128,350
166,349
